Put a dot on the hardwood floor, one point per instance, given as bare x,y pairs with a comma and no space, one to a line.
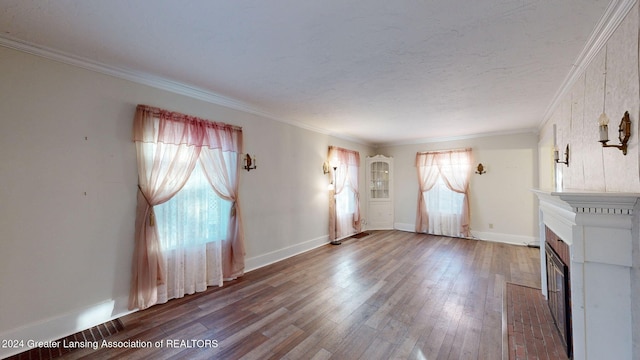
389,295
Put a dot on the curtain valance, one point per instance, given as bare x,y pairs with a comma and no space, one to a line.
430,158
343,156
154,125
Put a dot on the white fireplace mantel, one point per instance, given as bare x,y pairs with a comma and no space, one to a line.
599,229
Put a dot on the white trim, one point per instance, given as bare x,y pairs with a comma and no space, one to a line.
511,239
556,214
64,325
456,138
405,227
157,82
485,236
259,261
609,22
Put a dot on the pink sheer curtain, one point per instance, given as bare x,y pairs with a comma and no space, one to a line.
221,166
168,145
454,167
343,222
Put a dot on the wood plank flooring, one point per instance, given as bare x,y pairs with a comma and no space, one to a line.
389,295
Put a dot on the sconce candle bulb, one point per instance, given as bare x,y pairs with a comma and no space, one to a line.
603,121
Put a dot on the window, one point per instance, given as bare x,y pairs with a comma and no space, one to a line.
443,205
195,215
344,207
346,201
440,199
186,165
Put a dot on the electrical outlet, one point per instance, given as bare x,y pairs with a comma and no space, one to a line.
490,226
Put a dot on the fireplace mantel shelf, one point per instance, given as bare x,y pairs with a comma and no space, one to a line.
592,202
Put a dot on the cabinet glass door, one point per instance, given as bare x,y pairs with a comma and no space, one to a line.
379,186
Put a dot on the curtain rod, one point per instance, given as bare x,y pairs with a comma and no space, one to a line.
444,151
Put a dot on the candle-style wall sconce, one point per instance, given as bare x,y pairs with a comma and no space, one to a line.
250,163
480,169
556,156
624,132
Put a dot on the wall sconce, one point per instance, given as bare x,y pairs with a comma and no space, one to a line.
249,163
556,156
325,167
480,169
624,132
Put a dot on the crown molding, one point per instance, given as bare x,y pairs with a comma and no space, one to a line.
456,138
156,82
613,16
126,74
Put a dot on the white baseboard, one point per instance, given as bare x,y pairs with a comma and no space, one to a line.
505,238
487,236
259,261
405,227
64,325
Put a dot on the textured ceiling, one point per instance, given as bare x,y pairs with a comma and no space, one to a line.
381,72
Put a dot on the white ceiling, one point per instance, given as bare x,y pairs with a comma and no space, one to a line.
378,71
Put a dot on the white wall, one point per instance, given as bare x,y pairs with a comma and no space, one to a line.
501,197
68,188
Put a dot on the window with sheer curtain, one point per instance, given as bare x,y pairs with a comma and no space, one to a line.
188,232
346,201
445,209
344,218
443,199
196,215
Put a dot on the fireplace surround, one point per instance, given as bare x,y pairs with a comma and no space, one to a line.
599,229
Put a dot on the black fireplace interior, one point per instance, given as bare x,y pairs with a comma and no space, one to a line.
558,295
